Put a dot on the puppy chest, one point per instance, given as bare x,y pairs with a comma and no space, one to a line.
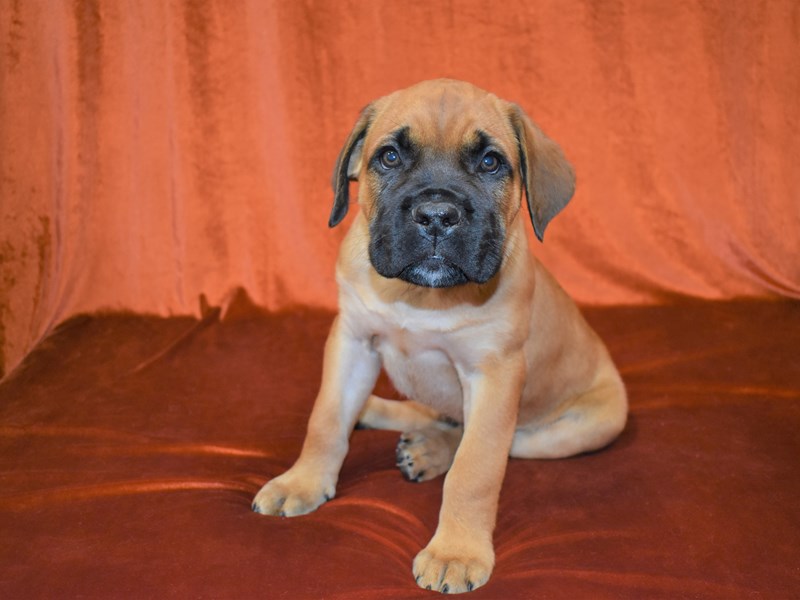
420,372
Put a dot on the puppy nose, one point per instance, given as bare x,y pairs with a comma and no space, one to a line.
436,215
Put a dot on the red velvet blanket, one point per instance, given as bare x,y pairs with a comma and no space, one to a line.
132,447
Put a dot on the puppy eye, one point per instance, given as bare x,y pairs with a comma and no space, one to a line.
490,163
390,158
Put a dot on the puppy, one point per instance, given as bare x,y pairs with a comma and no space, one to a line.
437,286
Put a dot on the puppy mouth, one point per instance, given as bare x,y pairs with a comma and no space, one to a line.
434,271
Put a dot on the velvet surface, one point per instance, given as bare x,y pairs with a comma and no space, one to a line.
131,446
152,151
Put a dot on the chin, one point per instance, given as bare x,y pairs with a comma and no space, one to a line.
434,272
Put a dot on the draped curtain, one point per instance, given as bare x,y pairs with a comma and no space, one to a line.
154,151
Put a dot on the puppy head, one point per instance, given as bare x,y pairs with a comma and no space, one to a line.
441,167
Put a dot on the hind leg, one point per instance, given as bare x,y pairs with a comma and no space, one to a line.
429,440
396,415
588,423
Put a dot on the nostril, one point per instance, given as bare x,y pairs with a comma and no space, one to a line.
422,214
450,216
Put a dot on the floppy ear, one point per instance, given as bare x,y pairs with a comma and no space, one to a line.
348,166
546,175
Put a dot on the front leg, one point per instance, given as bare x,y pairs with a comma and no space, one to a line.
349,372
460,556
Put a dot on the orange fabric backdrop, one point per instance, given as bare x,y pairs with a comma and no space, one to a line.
153,151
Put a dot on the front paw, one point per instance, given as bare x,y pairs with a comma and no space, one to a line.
290,495
453,571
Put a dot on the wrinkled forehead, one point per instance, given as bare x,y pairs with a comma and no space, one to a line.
445,117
